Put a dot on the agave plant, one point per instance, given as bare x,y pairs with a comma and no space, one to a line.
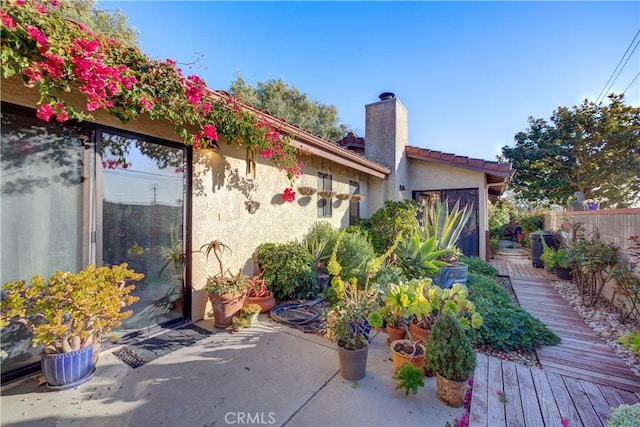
445,225
419,258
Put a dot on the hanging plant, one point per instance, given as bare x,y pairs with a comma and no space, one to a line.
326,194
306,191
56,56
357,198
343,196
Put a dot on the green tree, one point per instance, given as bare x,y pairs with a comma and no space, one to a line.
282,100
590,148
112,23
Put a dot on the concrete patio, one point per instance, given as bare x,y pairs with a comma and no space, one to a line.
269,374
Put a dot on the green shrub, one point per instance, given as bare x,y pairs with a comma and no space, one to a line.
319,240
449,350
625,416
505,325
478,265
388,221
494,244
289,269
531,223
354,253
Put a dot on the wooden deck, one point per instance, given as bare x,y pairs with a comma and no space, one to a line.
582,377
510,394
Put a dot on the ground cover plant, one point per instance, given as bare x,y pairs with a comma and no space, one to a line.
506,326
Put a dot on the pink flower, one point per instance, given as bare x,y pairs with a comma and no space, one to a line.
565,422
288,195
146,104
61,113
38,36
45,111
267,154
210,132
7,20
41,9
32,74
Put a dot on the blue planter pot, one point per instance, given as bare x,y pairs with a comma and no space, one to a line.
67,370
447,276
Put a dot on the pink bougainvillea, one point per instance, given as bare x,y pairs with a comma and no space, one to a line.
54,56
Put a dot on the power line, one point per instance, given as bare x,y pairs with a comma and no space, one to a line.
605,89
634,79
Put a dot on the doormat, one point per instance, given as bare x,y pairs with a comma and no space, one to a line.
136,355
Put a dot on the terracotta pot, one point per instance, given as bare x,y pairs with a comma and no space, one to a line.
418,333
451,392
267,302
353,363
395,333
400,358
225,307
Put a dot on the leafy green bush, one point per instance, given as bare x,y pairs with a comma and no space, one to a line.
625,416
505,325
531,223
478,265
387,221
319,240
289,269
354,253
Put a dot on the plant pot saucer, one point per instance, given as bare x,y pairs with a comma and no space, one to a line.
73,384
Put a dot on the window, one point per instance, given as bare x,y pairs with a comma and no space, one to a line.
325,182
354,207
62,209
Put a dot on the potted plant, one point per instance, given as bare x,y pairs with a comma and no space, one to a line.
258,293
452,358
348,317
592,205
67,314
446,226
557,259
250,313
227,292
409,378
437,302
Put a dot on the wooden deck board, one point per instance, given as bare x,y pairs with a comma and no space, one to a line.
530,405
495,388
479,405
547,402
580,399
514,415
581,380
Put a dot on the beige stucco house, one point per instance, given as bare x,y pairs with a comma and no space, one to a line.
65,205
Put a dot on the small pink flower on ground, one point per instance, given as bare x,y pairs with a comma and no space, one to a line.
289,195
565,422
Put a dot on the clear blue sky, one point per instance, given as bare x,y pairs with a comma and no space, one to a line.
469,73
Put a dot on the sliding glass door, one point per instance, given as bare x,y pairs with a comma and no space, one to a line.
143,193
74,195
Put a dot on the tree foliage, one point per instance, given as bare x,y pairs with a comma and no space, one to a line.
283,100
592,148
112,23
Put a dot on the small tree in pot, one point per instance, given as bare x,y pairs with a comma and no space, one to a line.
347,320
67,314
451,357
227,292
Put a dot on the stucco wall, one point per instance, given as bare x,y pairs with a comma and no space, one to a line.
221,190
425,175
